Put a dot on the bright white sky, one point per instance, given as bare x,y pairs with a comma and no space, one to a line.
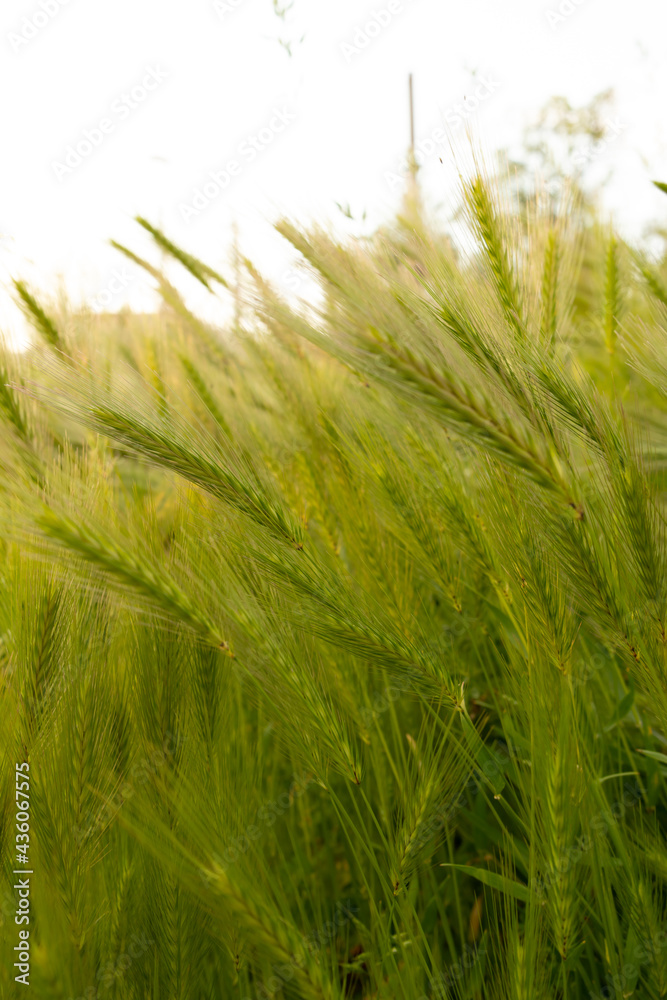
226,76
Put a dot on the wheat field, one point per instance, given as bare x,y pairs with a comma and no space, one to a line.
333,643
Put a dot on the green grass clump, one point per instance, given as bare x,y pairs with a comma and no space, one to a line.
337,644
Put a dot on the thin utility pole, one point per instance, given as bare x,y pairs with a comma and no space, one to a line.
413,161
238,290
412,200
